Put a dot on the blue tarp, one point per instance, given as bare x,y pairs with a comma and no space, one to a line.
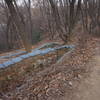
22,52
11,55
47,51
33,53
1,66
17,59
7,63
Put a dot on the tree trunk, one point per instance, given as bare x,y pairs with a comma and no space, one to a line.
19,24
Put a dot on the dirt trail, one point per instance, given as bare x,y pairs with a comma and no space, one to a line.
89,89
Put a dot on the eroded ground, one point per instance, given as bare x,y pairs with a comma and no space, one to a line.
55,81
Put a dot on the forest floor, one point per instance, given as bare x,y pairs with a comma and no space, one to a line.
74,77
5,56
89,87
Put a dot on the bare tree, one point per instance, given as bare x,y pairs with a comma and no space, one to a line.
19,22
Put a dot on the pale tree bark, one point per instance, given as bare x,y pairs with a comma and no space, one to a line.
29,16
18,21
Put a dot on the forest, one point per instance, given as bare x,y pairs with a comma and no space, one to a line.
49,49
47,19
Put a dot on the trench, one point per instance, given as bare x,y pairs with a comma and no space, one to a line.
52,49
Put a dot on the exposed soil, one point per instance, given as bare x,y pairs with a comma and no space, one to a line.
89,89
63,80
11,76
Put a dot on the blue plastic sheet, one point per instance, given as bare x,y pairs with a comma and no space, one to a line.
36,52
46,51
11,55
65,46
1,65
22,52
7,63
17,59
24,56
33,53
